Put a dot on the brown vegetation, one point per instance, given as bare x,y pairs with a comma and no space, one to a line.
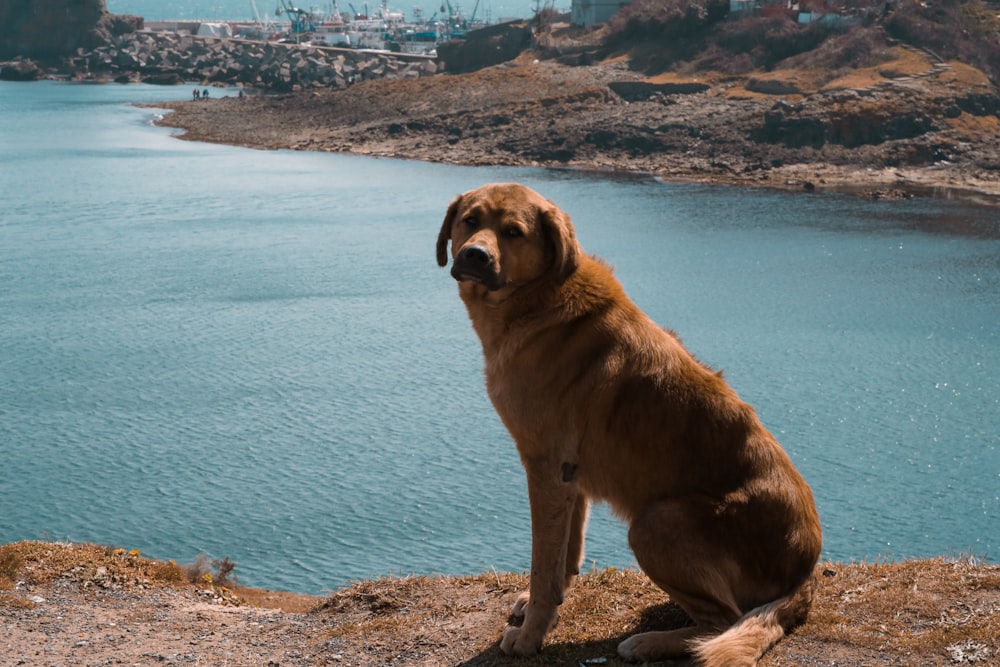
89,604
686,35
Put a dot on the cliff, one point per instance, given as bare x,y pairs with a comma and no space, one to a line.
49,30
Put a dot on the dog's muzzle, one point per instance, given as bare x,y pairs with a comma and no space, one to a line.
476,264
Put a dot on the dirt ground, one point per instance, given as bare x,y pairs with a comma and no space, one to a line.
63,604
909,127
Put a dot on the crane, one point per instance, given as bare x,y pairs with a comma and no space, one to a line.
302,21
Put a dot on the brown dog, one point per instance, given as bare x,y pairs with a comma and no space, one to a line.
606,405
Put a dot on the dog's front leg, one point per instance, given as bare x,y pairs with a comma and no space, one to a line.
554,499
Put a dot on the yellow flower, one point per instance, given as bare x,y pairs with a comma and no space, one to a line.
207,577
134,553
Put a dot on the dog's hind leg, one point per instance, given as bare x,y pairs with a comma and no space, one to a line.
670,544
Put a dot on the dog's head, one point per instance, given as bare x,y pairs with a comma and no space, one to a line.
504,236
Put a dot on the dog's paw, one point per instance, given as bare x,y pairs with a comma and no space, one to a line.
637,648
517,642
520,607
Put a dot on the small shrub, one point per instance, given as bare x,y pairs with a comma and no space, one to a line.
10,563
224,571
195,572
546,16
201,571
858,46
168,572
718,59
665,18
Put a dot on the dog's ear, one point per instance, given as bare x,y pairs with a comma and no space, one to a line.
559,229
445,234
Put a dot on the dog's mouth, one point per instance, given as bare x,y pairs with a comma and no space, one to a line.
488,279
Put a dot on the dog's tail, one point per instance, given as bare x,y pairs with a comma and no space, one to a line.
757,631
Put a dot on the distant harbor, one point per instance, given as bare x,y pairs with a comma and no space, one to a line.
383,29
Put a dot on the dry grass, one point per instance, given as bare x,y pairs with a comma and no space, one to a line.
921,613
965,75
43,562
970,127
805,81
919,610
927,612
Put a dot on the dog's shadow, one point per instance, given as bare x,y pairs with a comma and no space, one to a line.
593,653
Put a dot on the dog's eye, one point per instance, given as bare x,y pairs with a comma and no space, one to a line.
513,232
470,220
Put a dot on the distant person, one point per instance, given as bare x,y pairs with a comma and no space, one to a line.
204,94
197,93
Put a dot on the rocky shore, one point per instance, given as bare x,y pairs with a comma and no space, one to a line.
914,126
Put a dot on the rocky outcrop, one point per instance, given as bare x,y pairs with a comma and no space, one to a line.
20,69
643,90
485,47
852,119
172,58
49,30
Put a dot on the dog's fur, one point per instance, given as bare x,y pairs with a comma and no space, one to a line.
605,405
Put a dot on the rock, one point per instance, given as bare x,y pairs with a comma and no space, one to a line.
980,104
488,46
773,86
164,79
634,91
48,30
21,69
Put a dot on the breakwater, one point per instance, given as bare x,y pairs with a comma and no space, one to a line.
173,58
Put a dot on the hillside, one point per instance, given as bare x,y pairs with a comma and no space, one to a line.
829,35
684,92
909,126
87,604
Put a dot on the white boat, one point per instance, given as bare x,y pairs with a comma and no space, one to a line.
331,32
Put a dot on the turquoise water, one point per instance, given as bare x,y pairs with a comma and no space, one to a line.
254,354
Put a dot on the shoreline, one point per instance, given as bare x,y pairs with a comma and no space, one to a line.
542,114
810,178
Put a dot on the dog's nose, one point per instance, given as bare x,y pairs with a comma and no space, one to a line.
475,256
